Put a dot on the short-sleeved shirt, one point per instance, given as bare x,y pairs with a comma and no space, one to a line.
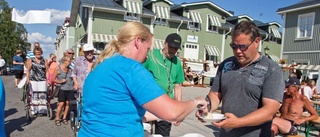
243,89
30,55
18,59
52,67
2,62
2,106
113,95
161,67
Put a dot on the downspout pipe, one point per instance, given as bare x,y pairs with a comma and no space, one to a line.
223,44
179,26
152,24
260,44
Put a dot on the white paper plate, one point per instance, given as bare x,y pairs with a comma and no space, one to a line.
22,82
193,135
216,117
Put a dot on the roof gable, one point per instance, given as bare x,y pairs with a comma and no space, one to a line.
146,2
240,17
305,4
176,7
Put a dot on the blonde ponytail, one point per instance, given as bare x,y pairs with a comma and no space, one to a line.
126,33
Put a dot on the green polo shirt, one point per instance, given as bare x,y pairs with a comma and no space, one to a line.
161,68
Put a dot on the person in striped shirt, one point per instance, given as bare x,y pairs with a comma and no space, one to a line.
30,53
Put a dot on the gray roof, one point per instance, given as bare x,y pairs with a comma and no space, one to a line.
103,4
301,4
175,7
146,2
227,25
177,17
239,16
147,12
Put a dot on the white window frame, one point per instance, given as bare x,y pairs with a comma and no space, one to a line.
129,16
307,24
272,39
161,21
194,25
214,28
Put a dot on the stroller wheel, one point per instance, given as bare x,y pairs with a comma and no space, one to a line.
72,120
49,113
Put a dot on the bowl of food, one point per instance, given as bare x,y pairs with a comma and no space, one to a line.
213,117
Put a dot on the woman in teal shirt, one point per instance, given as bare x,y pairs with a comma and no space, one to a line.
119,90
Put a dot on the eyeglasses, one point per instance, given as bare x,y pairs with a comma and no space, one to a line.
71,53
242,47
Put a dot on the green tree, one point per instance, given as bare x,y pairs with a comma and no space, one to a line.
13,35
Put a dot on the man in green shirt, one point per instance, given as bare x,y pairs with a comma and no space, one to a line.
167,70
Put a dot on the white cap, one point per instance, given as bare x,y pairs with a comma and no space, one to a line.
88,47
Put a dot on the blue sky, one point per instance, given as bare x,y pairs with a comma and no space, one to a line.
263,10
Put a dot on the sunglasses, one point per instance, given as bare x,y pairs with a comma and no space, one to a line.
71,53
242,47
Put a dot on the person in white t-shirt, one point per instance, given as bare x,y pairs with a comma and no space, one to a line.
2,65
306,90
313,87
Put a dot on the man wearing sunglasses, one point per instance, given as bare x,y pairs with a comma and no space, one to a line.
249,85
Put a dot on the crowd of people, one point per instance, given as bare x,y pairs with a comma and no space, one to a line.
130,74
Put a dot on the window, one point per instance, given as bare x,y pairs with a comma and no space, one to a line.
196,21
194,25
162,14
191,46
161,21
132,16
212,28
272,39
99,46
305,25
211,53
213,23
211,57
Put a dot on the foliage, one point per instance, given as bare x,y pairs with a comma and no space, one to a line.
13,35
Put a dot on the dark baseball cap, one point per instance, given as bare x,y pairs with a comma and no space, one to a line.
293,81
174,40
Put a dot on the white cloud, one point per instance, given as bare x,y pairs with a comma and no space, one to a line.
45,42
47,49
58,16
38,37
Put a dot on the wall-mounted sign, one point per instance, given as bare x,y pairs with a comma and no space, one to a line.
191,38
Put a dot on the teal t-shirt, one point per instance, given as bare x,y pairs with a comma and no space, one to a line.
113,95
161,67
2,105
